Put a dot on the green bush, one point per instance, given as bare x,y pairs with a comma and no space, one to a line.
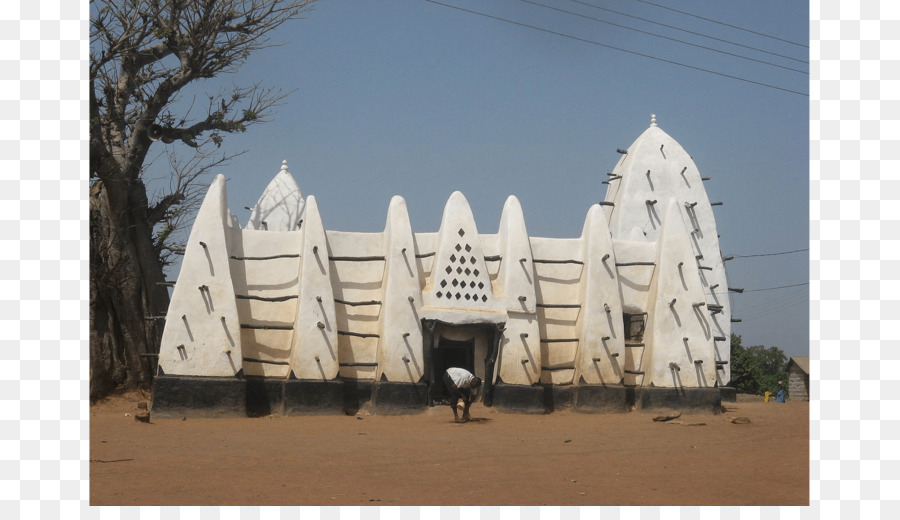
757,369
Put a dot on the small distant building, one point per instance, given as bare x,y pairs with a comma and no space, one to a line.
798,378
285,316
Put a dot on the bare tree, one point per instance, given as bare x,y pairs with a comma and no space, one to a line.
144,56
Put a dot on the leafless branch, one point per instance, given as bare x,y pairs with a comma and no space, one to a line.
171,211
144,56
145,52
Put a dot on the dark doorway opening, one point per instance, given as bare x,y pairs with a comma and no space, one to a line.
441,353
452,353
447,354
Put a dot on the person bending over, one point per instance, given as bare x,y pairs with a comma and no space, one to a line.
462,386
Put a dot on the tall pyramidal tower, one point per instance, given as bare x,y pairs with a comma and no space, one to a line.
671,270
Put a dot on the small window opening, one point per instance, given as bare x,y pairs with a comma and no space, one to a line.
634,326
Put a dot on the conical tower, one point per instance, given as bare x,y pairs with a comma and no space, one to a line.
654,173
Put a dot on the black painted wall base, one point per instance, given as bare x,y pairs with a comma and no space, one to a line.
520,399
539,399
264,397
729,394
186,396
358,396
601,399
303,397
400,398
706,400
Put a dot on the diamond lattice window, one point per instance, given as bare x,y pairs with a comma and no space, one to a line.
468,279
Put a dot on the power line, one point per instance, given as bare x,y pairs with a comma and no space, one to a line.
666,37
687,31
792,297
772,254
773,288
725,24
769,308
618,48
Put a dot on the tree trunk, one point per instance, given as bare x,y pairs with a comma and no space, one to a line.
125,269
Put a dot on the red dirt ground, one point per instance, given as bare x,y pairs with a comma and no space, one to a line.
564,458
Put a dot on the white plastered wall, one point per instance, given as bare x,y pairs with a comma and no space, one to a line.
678,326
357,270
601,354
558,273
265,268
314,349
202,334
635,265
400,334
519,360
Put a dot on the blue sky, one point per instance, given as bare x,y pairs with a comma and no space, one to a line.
411,98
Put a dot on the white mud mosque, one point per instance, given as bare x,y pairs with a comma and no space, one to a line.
284,316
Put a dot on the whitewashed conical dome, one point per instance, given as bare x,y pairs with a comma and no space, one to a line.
655,171
281,205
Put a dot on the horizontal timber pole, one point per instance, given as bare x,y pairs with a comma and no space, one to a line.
273,257
266,298
252,360
558,367
267,327
354,304
357,334
541,261
356,258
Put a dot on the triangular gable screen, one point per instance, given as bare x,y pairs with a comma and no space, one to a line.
462,276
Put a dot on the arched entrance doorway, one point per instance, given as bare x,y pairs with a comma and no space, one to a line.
473,347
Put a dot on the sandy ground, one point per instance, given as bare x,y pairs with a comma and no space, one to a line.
498,459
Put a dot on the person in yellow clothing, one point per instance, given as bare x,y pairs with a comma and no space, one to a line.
779,394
